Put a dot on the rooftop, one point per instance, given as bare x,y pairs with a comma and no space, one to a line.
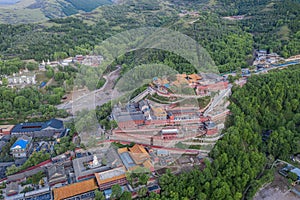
21,143
19,176
138,149
74,189
158,111
162,152
12,188
139,154
5,128
112,157
127,160
210,124
38,126
195,77
131,117
110,175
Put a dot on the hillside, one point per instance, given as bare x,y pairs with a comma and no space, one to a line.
230,42
27,11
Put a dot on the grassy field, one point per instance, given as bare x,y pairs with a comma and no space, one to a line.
21,15
19,5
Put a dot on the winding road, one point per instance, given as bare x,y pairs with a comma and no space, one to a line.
92,99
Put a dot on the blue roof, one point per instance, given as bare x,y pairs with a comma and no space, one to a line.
162,152
108,192
127,160
37,126
167,85
153,188
43,84
20,142
296,171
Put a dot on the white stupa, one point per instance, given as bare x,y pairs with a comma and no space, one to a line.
95,161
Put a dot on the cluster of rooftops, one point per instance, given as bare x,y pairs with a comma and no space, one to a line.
103,176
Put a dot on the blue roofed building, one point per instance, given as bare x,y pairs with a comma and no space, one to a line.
51,128
297,172
154,188
127,160
22,147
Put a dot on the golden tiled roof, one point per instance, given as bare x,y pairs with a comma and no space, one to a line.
139,154
195,77
122,150
74,189
148,164
138,149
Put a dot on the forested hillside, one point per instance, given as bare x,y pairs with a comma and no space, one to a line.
230,43
274,24
243,156
267,25
28,11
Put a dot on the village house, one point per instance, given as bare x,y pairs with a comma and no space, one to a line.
22,147
6,129
56,174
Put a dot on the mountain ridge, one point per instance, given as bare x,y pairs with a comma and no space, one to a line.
30,11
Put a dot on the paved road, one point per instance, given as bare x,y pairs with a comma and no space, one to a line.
90,100
218,99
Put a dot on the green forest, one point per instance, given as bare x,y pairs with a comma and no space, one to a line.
242,158
29,104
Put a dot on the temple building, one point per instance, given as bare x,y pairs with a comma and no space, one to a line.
111,177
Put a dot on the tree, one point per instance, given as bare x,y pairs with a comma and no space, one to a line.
116,191
32,66
126,195
60,55
142,192
11,170
143,178
50,73
4,81
99,195
293,176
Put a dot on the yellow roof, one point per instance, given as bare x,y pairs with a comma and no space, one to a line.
138,149
158,111
195,77
122,150
139,154
74,189
148,164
